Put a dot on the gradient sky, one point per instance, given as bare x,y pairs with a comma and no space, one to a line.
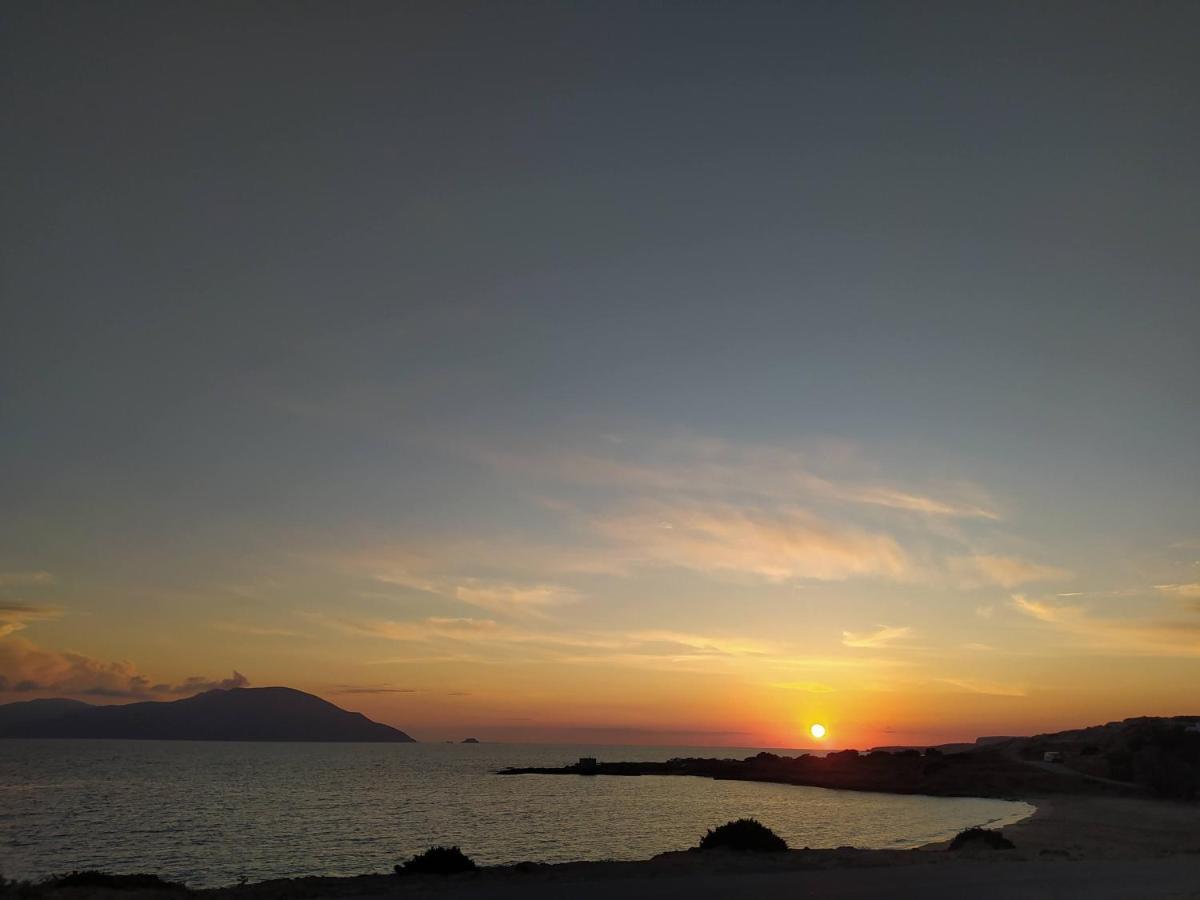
652,372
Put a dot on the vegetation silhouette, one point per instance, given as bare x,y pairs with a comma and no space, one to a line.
980,837
94,879
1157,756
437,861
745,835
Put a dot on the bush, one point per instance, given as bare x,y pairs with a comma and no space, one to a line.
744,834
980,837
91,878
438,861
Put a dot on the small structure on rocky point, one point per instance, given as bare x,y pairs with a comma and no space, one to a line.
587,765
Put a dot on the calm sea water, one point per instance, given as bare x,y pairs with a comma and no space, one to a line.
210,813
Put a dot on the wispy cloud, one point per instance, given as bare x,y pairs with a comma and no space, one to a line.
808,687
1119,636
14,617
513,598
490,641
36,578
1186,591
883,636
707,644
695,465
370,689
772,545
988,688
1004,571
494,595
254,630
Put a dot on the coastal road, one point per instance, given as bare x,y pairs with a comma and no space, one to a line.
1067,772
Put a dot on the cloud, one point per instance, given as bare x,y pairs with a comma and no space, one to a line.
1118,636
809,687
26,667
694,466
1186,591
254,630
26,579
775,546
883,636
488,641
382,689
14,617
989,688
511,598
1006,571
496,596
198,684
698,643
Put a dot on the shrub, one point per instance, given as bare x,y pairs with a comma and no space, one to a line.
980,837
438,861
90,878
932,751
744,834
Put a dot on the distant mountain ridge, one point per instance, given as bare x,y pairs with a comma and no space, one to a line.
236,714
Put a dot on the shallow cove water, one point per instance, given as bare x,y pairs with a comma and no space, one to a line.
211,813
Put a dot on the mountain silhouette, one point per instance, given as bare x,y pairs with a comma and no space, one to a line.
237,714
28,712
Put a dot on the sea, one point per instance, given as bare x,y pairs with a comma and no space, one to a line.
211,814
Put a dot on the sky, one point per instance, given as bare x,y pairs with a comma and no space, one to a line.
659,373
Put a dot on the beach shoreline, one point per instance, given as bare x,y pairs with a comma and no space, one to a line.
1068,845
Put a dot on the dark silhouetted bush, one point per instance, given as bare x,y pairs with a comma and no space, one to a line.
437,861
932,751
911,751
93,879
980,837
744,834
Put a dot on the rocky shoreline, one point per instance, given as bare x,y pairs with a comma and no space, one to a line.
985,773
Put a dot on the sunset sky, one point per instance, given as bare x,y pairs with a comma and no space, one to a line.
673,373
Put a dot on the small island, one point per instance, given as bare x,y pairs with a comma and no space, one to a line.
470,740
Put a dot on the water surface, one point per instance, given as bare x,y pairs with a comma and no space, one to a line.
210,813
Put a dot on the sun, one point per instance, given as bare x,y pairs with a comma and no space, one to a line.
817,730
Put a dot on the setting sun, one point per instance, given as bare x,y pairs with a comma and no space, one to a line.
817,730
